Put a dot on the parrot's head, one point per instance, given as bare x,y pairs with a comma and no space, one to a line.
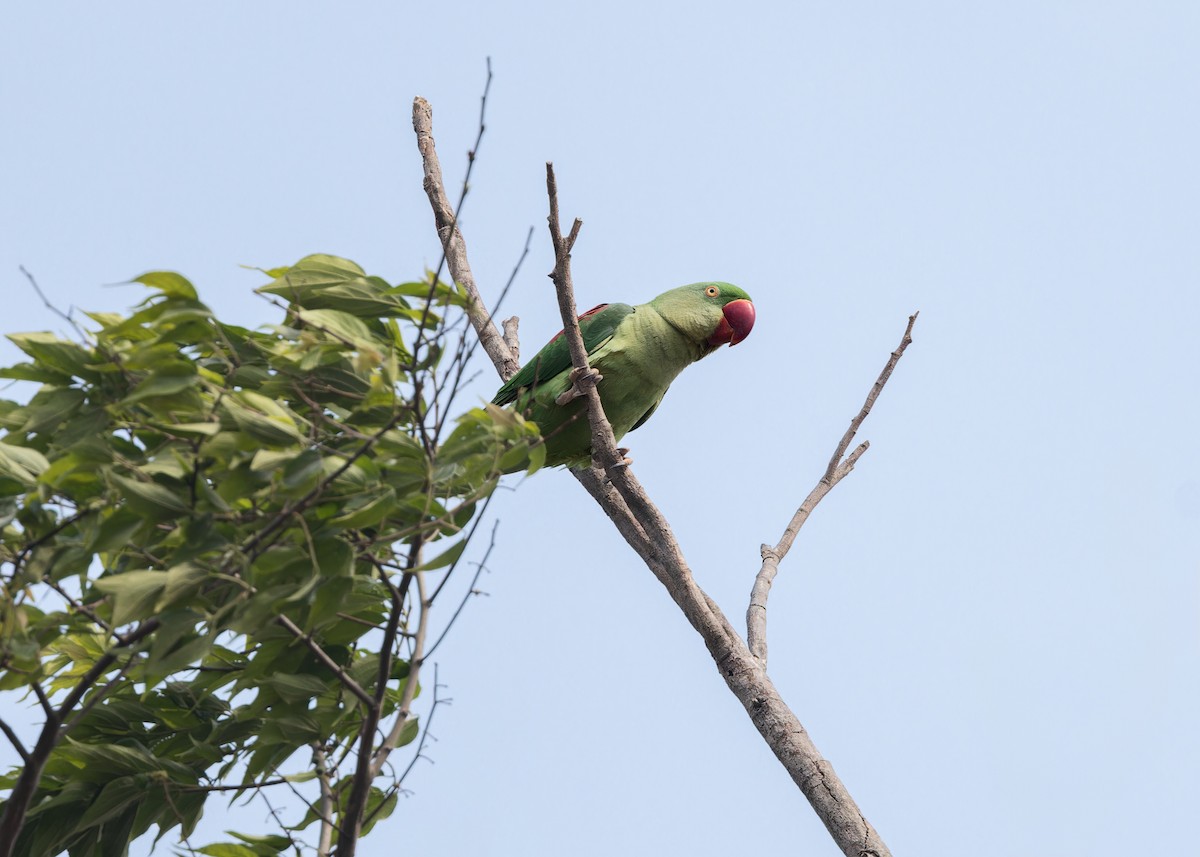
712,314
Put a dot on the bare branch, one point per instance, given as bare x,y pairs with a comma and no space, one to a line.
325,804
512,277
584,378
642,525
15,741
43,699
410,682
239,787
97,696
470,589
420,754
647,531
454,246
876,389
65,316
510,324
510,336
756,613
479,516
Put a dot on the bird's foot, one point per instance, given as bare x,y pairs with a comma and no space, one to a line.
623,461
580,378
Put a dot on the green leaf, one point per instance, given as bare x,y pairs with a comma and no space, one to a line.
181,581
446,557
296,688
171,284
33,372
149,498
537,458
368,513
334,557
50,407
310,276
114,797
135,593
408,732
172,378
115,530
270,460
274,843
61,355
360,300
341,325
300,474
227,849
379,806
261,418
188,429
21,463
330,598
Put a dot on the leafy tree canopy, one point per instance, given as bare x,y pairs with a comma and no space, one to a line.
214,545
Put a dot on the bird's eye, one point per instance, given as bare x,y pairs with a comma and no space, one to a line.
712,291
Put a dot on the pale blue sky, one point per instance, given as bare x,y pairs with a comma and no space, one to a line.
990,628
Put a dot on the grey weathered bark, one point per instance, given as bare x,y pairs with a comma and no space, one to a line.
742,664
839,466
454,246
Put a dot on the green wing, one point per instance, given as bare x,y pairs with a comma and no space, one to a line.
597,326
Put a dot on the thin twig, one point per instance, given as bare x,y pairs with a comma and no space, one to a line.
456,211
420,754
479,516
65,316
453,244
258,542
43,699
756,613
482,564
262,784
97,696
100,667
510,324
583,377
321,655
15,741
415,662
325,804
30,546
876,389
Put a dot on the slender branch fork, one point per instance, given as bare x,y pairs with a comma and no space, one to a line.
839,467
742,664
453,244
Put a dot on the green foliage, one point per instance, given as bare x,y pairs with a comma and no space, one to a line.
204,530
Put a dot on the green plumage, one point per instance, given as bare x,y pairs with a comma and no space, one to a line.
639,350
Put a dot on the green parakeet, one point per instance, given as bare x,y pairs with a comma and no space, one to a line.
639,350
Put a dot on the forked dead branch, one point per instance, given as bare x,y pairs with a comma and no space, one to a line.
741,663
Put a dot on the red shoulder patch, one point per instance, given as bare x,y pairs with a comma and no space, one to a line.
592,311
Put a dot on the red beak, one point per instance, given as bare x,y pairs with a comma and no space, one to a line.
736,325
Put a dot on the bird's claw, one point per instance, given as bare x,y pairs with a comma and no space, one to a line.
579,378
